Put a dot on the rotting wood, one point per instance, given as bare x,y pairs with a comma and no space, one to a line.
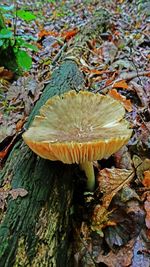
35,230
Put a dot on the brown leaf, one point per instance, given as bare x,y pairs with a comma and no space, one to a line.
44,33
142,92
69,34
5,74
109,51
20,124
147,209
123,159
126,102
141,165
120,84
122,258
18,192
146,180
145,132
110,182
141,252
111,179
8,145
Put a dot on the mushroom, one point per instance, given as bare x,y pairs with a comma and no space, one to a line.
79,128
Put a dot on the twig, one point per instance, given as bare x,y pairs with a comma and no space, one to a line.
15,18
123,76
63,48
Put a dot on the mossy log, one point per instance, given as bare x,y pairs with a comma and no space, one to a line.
35,229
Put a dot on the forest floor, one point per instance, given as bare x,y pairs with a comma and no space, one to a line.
114,221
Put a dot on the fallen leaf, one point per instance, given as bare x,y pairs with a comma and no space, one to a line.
141,165
146,179
126,102
111,79
143,94
123,159
5,75
141,252
18,192
44,33
121,258
6,149
111,179
94,71
20,124
109,51
69,34
147,209
123,64
129,218
120,84
110,182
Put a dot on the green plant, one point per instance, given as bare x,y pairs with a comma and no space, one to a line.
12,46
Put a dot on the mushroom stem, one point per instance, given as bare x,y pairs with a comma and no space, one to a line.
89,171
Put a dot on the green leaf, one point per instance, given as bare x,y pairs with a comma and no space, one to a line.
29,37
22,43
24,60
30,46
25,15
5,33
1,42
51,1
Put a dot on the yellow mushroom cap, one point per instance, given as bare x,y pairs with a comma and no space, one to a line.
78,127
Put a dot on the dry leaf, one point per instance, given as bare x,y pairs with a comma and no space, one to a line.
123,159
147,209
111,179
5,74
5,149
109,51
126,102
111,79
141,165
123,64
122,258
44,32
120,84
146,180
68,35
20,124
110,182
141,253
18,192
142,91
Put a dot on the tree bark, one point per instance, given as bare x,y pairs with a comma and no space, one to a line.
35,230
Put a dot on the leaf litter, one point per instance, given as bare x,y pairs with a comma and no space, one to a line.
112,225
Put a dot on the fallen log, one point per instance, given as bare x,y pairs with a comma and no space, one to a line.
35,229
